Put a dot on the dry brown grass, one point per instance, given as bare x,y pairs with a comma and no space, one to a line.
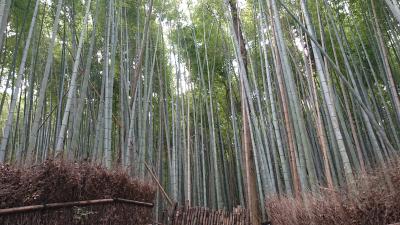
369,202
55,181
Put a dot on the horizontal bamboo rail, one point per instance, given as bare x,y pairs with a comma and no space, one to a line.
71,204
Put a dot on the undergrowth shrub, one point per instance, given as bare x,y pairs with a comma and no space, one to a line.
58,181
372,200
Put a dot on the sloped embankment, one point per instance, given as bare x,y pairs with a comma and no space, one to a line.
58,182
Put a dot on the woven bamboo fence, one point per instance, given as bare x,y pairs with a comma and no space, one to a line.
204,216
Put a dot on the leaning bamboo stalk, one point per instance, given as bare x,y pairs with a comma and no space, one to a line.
18,86
43,86
385,59
159,185
73,86
84,87
394,9
4,12
71,204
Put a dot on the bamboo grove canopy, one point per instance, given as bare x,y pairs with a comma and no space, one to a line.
226,101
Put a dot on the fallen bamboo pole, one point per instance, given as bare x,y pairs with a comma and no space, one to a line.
71,204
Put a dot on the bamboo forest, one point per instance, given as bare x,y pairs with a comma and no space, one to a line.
214,104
